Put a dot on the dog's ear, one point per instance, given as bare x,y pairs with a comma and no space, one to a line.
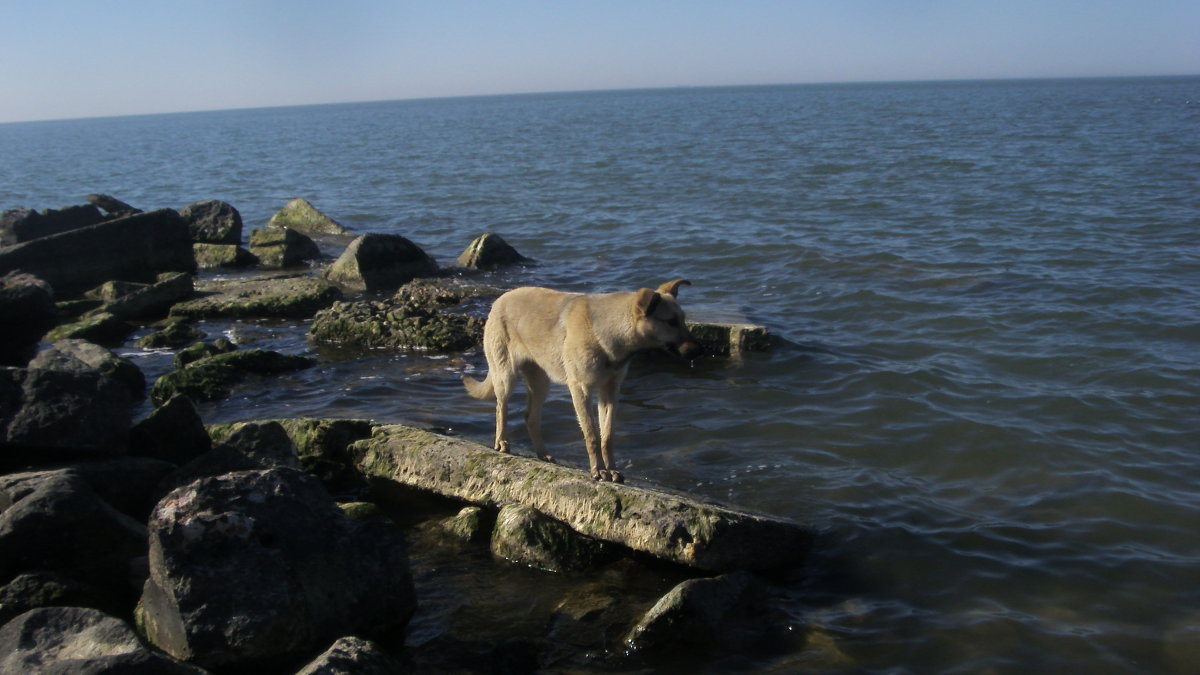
671,288
645,302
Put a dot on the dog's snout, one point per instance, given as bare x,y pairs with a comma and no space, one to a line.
690,350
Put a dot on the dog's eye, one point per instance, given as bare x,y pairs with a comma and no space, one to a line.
673,322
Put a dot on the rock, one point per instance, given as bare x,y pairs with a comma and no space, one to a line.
128,484
27,311
112,206
729,339
213,378
100,327
267,443
277,247
58,523
212,256
380,262
175,335
253,568
31,590
319,443
688,616
79,640
389,324
664,524
353,656
212,222
488,251
360,510
303,217
149,300
289,296
524,535
83,356
172,432
470,525
21,225
136,248
202,350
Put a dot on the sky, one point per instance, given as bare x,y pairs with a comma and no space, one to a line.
90,58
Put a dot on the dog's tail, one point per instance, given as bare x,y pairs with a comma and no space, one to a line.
480,390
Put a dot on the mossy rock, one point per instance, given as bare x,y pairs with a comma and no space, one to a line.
174,335
525,535
102,328
320,444
289,296
213,378
214,256
277,247
302,216
203,350
370,325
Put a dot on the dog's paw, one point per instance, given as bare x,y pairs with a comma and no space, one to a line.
597,474
547,458
616,477
502,446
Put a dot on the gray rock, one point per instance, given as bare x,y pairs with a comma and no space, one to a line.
488,251
286,296
78,640
27,312
212,222
380,262
172,432
471,525
128,484
214,256
99,327
151,300
688,616
82,356
524,535
31,590
319,443
214,377
253,568
112,206
21,225
300,215
278,247
353,656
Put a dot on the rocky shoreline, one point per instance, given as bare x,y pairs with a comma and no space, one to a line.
302,545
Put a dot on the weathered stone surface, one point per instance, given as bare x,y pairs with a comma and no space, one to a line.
354,656
112,206
524,535
136,248
174,335
394,324
380,262
20,225
99,327
213,377
212,222
128,484
668,525
319,443
214,256
688,616
84,356
79,640
203,350
303,217
488,251
150,300
172,432
32,590
306,573
471,525
728,339
27,311
360,510
289,296
277,247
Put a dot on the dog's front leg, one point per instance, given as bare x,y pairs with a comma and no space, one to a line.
591,439
608,404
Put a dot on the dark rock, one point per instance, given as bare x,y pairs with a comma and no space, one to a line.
58,523
319,443
21,225
150,300
112,206
251,569
489,251
31,590
360,510
213,378
524,535
213,256
128,484
203,350
79,640
212,222
27,311
688,616
471,525
266,443
174,335
83,356
288,296
100,327
380,262
277,247
172,432
303,217
73,309
136,248
353,656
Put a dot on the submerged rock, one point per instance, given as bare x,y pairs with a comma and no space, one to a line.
524,535
213,222
277,247
690,615
470,525
488,251
174,335
287,296
380,262
396,325
303,217
202,350
213,377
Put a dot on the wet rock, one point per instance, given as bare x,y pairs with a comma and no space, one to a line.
524,535
79,640
112,206
688,616
303,217
32,590
353,656
83,356
214,256
136,248
203,350
395,325
380,262
21,225
320,444
212,222
288,296
175,335
360,510
100,327
277,247
139,301
172,432
27,312
213,377
489,251
668,525
471,525
251,569
728,339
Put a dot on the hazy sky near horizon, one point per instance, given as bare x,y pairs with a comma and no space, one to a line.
83,58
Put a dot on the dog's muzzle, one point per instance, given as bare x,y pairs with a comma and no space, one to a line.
688,350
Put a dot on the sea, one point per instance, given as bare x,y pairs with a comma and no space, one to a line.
984,388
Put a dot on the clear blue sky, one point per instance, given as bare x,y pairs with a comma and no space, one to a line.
84,58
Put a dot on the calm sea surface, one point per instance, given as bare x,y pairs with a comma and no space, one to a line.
986,394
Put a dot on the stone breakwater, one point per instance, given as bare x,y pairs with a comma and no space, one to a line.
295,544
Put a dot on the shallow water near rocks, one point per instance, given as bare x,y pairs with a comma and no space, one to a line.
987,296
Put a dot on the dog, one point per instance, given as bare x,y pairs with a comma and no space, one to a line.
582,340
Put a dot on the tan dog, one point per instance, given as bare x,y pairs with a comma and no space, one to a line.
584,341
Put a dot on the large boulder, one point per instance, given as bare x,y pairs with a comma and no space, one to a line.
79,640
27,311
172,432
136,248
319,443
21,225
253,569
213,222
286,296
524,535
380,262
302,216
214,377
689,616
488,251
277,247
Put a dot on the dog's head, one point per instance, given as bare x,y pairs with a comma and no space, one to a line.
661,321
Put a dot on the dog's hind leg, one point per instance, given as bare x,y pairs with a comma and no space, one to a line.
503,380
538,385
607,406
587,423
